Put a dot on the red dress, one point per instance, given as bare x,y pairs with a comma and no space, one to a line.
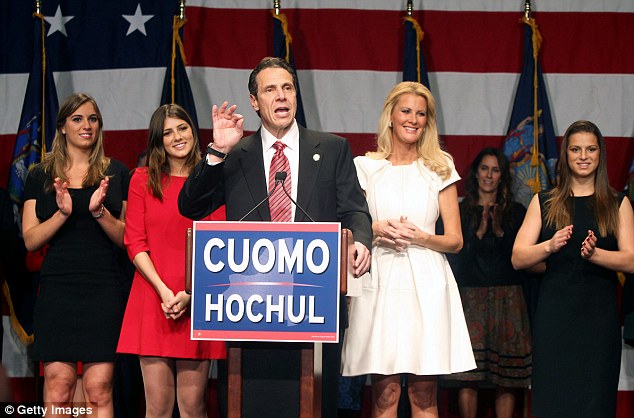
158,228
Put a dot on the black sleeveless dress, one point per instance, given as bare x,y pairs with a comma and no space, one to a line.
80,304
577,335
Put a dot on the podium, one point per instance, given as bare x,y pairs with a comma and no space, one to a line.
310,355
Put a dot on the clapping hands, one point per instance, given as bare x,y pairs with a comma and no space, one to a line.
488,216
62,197
99,196
589,245
560,239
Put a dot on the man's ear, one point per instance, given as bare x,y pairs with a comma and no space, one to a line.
254,103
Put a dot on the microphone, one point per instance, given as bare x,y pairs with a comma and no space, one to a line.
283,175
280,176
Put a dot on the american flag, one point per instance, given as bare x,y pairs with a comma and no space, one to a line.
349,54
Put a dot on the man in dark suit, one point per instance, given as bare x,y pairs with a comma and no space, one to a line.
323,182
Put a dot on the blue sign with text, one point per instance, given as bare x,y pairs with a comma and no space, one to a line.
266,281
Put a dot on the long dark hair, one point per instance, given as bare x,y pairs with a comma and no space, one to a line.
558,206
157,159
470,213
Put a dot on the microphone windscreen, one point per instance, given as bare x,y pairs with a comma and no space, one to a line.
281,175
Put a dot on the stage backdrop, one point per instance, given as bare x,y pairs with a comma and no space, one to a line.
349,53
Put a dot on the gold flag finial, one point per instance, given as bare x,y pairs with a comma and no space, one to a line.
410,8
276,7
181,9
527,9
38,7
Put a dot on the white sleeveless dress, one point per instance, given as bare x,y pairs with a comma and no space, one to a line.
409,318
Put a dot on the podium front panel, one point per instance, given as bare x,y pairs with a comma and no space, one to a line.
266,281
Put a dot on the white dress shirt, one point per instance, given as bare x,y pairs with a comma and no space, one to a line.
291,139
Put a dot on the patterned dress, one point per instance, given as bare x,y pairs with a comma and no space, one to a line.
493,301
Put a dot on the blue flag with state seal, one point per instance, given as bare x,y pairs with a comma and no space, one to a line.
414,68
530,143
39,111
176,87
282,49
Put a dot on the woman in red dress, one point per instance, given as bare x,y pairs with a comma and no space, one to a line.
156,325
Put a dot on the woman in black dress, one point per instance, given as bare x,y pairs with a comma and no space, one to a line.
75,202
582,229
490,289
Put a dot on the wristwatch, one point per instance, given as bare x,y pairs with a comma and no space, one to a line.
215,152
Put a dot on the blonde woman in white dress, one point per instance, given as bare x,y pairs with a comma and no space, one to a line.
409,318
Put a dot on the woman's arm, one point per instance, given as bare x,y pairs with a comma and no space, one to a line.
622,259
173,305
112,226
451,241
36,234
145,266
526,251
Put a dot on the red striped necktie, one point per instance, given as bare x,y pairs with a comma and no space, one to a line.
279,203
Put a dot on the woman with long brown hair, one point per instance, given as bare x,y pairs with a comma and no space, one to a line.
74,201
582,229
490,289
156,325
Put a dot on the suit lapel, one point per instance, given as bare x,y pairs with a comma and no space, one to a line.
252,165
310,158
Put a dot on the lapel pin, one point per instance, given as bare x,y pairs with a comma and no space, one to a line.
316,157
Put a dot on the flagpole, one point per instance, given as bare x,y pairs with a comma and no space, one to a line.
288,39
282,41
38,15
178,23
419,37
535,160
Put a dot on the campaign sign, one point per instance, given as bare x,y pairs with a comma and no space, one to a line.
266,281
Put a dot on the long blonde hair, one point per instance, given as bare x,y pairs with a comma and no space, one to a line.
558,209
428,147
56,163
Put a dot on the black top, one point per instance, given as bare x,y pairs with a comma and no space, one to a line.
80,305
487,262
577,332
